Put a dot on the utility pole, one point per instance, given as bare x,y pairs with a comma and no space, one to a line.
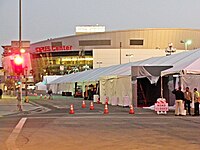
120,53
20,41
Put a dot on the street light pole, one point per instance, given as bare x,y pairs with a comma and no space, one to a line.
120,53
99,62
20,39
129,55
186,43
20,23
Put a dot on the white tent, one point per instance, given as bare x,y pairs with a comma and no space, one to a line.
48,79
188,70
116,89
94,74
41,86
88,77
185,63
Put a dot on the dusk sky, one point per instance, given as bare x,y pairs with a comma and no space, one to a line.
44,19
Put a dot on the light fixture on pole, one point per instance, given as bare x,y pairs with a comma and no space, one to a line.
120,53
99,63
186,43
130,56
170,49
20,41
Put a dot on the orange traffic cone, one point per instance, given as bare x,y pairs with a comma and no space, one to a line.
71,109
131,111
83,104
106,109
40,96
45,97
91,106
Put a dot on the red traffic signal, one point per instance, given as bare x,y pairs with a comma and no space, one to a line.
18,60
17,64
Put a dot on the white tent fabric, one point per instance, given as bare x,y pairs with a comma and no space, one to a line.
95,74
189,64
182,63
48,79
41,86
185,62
116,88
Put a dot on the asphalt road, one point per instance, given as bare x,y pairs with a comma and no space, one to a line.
91,129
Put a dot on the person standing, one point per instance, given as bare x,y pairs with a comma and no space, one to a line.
1,93
188,99
179,101
196,102
50,94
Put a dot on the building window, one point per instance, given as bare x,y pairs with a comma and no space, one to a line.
136,42
56,43
94,42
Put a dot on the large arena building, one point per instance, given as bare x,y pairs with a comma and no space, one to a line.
90,50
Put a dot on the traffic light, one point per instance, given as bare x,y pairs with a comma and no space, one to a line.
17,64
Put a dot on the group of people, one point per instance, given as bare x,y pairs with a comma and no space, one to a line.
90,91
184,100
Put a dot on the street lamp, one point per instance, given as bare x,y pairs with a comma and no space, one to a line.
99,63
170,49
120,53
130,56
20,41
186,43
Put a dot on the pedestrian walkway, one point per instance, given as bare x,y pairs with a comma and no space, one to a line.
8,105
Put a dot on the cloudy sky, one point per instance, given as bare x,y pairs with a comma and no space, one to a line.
43,19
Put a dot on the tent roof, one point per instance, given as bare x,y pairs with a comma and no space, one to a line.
48,79
189,64
187,60
95,74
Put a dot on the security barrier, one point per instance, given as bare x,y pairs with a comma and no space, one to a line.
161,106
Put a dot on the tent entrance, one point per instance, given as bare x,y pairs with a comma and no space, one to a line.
147,93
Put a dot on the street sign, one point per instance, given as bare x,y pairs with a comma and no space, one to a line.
23,44
13,77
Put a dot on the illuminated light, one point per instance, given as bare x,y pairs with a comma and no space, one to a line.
22,50
79,59
18,60
188,42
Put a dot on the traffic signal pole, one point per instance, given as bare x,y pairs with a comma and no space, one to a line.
19,98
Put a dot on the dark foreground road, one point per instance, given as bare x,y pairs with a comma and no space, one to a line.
91,130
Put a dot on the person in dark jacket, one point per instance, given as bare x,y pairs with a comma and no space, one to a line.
179,101
188,99
1,93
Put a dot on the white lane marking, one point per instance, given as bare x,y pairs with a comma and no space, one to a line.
106,117
40,106
10,143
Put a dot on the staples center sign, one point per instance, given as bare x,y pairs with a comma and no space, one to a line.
52,49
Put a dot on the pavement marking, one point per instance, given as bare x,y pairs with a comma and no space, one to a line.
10,142
107,117
60,107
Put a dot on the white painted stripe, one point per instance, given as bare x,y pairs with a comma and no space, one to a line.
107,117
10,143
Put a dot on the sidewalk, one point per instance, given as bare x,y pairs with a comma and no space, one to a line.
8,106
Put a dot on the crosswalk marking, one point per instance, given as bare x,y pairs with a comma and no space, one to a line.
10,143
